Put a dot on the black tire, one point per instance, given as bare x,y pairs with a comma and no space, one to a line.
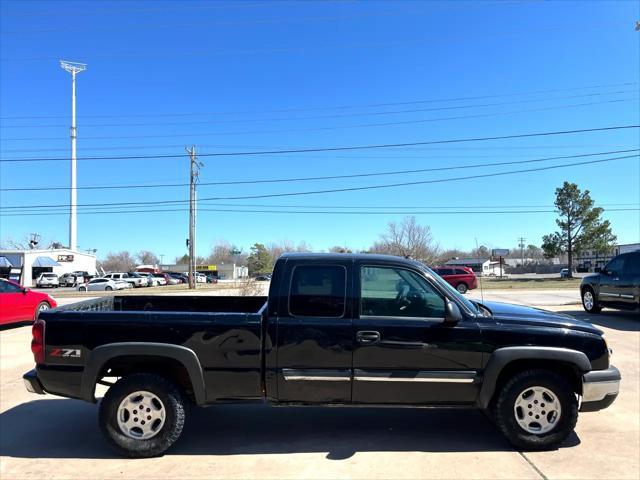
505,418
462,287
595,308
108,289
173,403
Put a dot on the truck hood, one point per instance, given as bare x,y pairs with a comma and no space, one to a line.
519,314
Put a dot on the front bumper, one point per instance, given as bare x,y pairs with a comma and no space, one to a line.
600,389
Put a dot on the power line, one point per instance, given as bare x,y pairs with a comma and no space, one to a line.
342,115
336,107
335,149
346,189
449,212
329,177
339,127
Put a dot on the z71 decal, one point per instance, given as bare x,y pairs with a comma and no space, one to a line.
65,352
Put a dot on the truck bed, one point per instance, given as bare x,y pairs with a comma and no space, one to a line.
225,333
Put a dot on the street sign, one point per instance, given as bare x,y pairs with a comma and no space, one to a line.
500,252
236,252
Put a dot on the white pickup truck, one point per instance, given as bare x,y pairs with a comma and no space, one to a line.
134,279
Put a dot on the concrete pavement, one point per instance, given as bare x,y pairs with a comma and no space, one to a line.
46,436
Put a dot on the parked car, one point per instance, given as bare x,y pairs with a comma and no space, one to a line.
82,276
151,280
144,281
100,284
135,281
48,280
161,278
564,273
461,278
20,304
263,278
336,329
70,280
180,278
171,280
211,278
201,278
617,285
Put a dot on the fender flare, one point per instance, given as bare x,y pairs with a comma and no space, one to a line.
501,357
102,354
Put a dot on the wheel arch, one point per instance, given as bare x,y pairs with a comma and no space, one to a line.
147,355
506,362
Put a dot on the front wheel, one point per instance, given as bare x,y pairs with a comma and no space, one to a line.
462,287
589,301
142,415
536,410
42,306
108,289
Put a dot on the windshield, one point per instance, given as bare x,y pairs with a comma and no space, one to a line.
468,303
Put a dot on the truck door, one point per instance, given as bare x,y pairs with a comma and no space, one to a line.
612,279
314,333
404,353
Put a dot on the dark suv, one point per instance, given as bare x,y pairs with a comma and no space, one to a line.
616,286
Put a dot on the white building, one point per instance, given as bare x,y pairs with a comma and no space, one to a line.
224,271
591,260
25,266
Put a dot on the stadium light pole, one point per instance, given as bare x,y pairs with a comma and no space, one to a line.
73,68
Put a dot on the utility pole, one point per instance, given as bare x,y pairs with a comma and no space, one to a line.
73,68
521,241
191,242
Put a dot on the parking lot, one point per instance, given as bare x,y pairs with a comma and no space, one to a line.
46,436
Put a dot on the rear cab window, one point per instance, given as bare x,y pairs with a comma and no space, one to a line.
318,291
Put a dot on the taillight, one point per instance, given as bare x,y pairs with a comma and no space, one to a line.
37,341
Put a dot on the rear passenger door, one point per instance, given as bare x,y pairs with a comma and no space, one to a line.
314,333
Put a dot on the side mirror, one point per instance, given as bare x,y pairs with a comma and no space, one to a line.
452,313
24,290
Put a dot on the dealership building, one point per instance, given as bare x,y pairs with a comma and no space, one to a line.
25,266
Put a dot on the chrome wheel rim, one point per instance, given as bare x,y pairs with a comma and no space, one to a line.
587,300
461,288
141,415
537,410
43,307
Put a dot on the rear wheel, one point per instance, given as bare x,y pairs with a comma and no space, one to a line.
142,415
536,410
108,289
462,287
82,289
589,301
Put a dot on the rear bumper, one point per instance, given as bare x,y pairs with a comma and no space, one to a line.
600,389
57,380
31,382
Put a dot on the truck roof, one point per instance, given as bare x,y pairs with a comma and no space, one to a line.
375,257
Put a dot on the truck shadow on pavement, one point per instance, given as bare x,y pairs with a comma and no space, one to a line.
616,319
68,429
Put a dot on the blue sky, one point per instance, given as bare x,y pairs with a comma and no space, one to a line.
250,76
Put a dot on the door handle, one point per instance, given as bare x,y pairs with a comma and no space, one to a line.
368,337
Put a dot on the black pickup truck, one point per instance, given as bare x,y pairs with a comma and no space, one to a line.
336,329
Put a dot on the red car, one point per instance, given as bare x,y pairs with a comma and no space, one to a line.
461,278
19,304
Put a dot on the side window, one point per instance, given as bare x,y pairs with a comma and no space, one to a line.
616,265
318,291
7,287
633,264
396,292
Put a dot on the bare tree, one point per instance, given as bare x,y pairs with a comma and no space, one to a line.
278,248
118,262
339,249
408,239
147,257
